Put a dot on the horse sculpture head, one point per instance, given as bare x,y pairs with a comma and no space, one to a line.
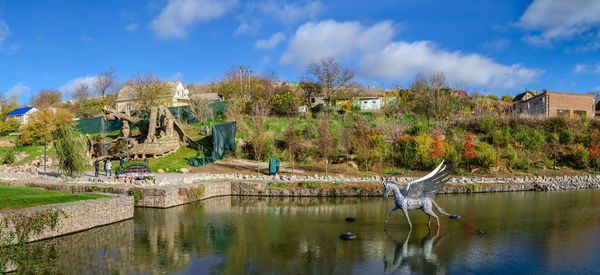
387,189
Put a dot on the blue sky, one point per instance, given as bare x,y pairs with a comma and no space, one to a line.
490,46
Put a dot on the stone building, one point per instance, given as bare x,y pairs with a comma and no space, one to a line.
550,103
178,96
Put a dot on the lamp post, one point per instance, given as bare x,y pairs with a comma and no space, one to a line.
45,142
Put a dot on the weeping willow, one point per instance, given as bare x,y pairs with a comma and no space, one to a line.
71,149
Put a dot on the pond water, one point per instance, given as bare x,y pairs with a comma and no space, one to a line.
525,232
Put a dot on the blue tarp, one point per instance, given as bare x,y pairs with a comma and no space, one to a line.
19,111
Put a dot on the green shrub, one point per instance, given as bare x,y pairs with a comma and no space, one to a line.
486,155
566,136
531,139
418,128
10,156
577,156
413,152
501,137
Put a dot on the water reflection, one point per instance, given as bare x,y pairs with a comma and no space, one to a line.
415,257
524,232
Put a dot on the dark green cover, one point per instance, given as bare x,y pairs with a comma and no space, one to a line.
223,137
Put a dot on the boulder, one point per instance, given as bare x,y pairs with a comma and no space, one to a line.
184,170
160,171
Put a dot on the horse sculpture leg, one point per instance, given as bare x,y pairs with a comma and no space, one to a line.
407,218
390,214
430,213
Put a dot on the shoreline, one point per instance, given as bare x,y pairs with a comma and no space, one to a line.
169,190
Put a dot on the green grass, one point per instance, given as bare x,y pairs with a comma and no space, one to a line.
174,161
394,171
20,197
276,184
310,184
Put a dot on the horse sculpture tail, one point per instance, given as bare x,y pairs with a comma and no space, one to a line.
439,209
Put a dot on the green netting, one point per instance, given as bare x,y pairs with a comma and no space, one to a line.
223,136
93,125
182,113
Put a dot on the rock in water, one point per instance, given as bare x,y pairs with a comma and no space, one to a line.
350,219
347,236
455,217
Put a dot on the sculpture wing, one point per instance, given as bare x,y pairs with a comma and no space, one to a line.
429,184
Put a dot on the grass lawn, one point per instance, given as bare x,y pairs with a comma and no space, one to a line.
174,161
12,197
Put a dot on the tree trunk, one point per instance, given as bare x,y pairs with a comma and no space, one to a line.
151,136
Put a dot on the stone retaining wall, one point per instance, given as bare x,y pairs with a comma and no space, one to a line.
65,218
186,188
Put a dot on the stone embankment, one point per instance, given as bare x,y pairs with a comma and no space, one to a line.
48,221
167,190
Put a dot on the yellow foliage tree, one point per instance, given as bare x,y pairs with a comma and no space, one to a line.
43,123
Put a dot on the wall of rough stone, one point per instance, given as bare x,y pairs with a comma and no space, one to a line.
71,217
177,189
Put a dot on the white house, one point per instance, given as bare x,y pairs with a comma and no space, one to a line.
178,96
21,114
369,103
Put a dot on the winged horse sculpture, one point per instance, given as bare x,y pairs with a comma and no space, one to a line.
414,195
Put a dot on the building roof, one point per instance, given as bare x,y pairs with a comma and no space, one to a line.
127,93
19,111
520,96
460,93
211,97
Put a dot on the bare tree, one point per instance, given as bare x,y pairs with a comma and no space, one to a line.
329,77
103,81
259,140
81,92
149,91
200,109
46,98
324,140
346,142
293,142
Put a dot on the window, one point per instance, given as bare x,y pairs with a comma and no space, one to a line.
129,107
563,112
580,113
312,100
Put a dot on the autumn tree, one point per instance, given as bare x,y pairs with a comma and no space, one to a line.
438,146
103,81
468,153
41,124
45,99
329,78
292,142
149,91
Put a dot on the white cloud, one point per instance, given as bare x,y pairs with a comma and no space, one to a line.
580,68
271,42
315,40
556,20
19,89
404,60
132,27
4,31
497,45
379,57
69,87
289,13
178,76
257,12
244,28
175,20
